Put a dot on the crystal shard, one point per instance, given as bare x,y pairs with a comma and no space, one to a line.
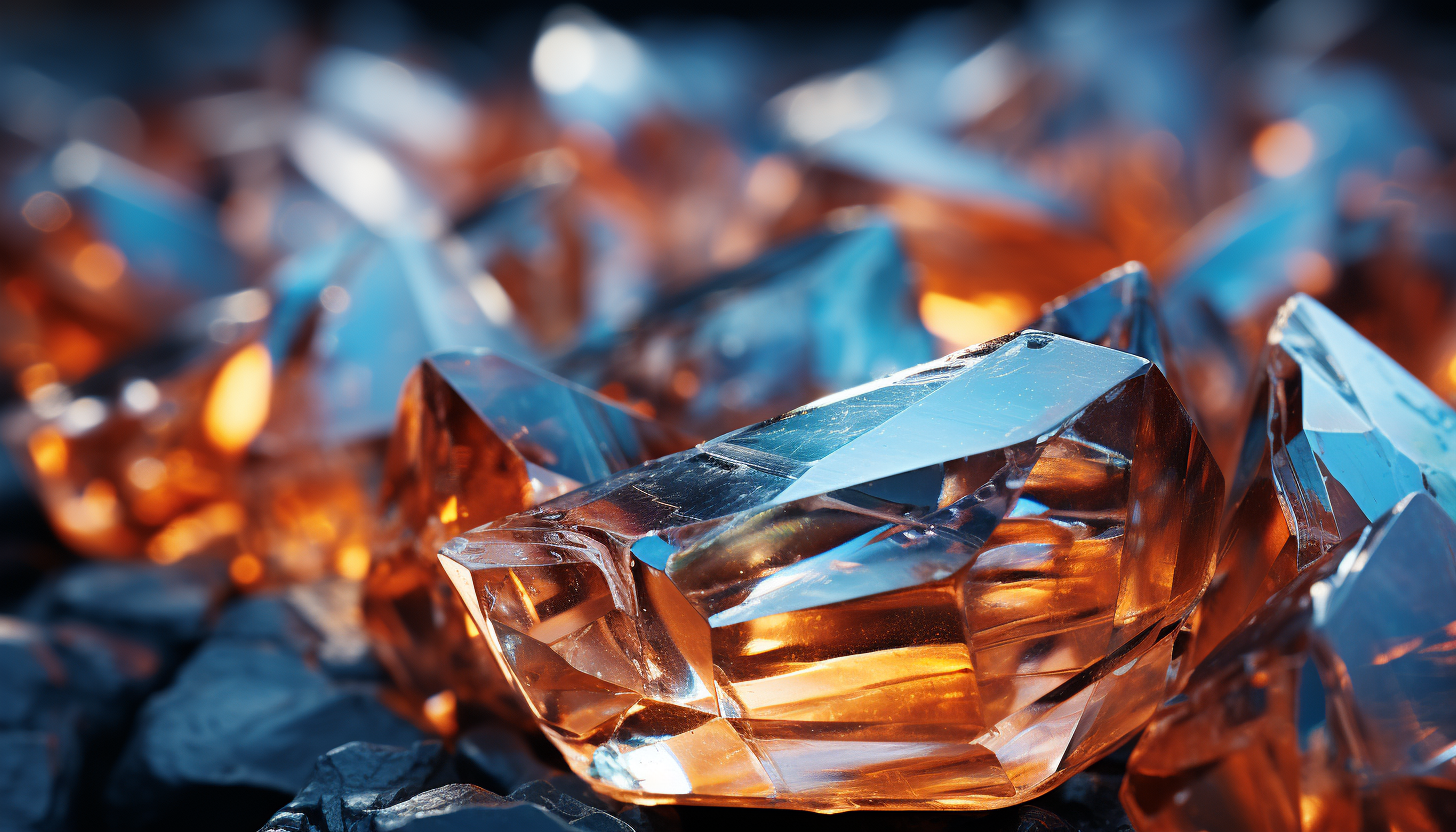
479,437
812,318
1339,434
951,588
1332,709
1116,310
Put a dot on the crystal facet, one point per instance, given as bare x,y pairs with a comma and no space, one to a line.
951,588
479,437
814,317
1331,710
1339,434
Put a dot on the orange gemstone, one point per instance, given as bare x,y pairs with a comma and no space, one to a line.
478,437
953,588
1331,709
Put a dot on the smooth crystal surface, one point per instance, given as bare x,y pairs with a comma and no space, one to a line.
1331,710
478,437
951,588
1116,310
814,317
1339,434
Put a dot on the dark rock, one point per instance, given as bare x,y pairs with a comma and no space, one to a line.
170,606
576,812
461,808
247,717
353,781
37,768
66,689
496,756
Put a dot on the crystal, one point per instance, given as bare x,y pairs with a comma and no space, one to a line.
1117,310
955,587
115,250
1331,710
479,437
1339,433
814,317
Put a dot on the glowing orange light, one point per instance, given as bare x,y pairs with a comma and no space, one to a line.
92,511
48,451
46,211
440,711
191,533
973,321
470,628
245,569
685,383
1310,272
450,512
352,561
98,265
1283,148
35,377
237,404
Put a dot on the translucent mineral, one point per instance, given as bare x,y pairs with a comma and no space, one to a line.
479,437
952,588
1338,435
1331,710
814,317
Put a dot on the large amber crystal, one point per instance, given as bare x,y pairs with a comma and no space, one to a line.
1339,434
1331,710
952,588
478,437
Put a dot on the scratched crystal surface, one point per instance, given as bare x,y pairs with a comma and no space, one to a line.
478,437
951,588
1332,709
1338,435
814,317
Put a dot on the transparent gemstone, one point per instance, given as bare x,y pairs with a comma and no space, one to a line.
1338,435
478,437
1331,710
951,588
814,317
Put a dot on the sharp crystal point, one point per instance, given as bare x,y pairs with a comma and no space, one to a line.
1116,310
951,588
1339,434
479,436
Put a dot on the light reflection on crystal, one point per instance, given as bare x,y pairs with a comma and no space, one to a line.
962,583
478,437
1331,710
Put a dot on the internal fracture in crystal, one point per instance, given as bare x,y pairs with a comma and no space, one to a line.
1331,709
953,588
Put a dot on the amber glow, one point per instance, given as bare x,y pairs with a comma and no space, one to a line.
94,510
470,628
1310,272
352,561
450,512
98,266
685,383
191,533
972,321
36,377
1283,148
245,569
237,404
48,451
440,711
